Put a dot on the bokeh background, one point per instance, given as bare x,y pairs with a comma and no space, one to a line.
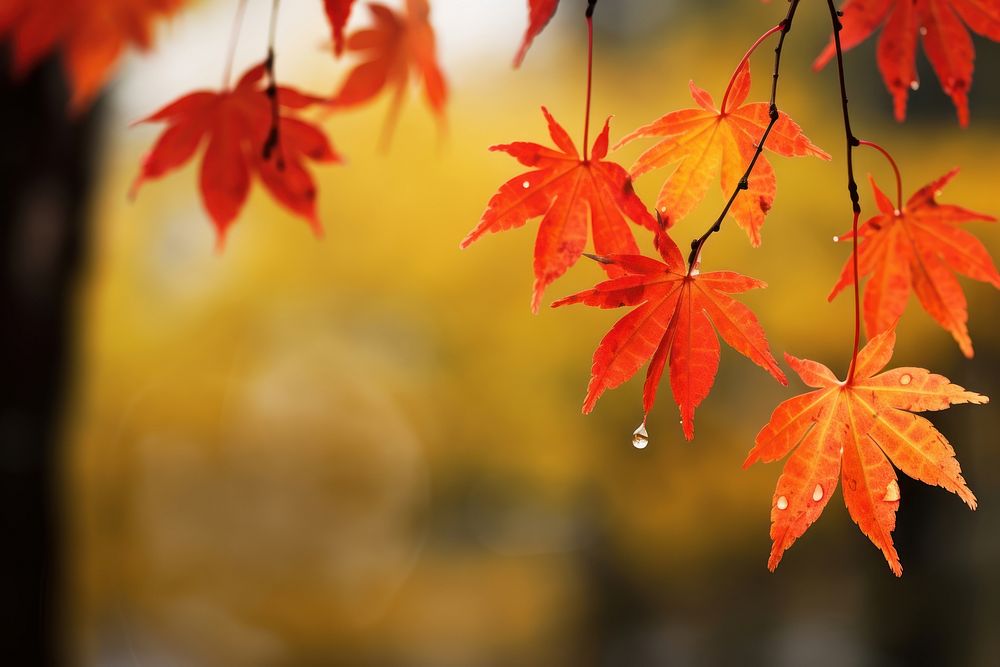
364,450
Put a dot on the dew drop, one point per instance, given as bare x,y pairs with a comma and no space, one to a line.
923,31
891,492
914,85
905,379
663,209
896,212
836,239
640,437
818,493
782,503
526,185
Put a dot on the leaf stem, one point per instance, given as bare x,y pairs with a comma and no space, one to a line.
746,57
591,5
273,141
784,26
852,186
227,73
895,170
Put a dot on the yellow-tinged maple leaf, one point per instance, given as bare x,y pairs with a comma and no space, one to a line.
709,141
853,430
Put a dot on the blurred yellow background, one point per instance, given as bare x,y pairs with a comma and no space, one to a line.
364,450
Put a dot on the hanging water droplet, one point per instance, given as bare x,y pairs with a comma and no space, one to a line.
782,503
896,212
818,493
914,85
526,185
923,31
891,492
905,379
640,437
836,239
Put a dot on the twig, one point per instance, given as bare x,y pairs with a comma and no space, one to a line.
785,26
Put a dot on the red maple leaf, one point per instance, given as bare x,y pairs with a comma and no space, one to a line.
91,35
337,13
396,45
539,14
917,248
235,125
673,322
708,141
946,42
847,430
569,192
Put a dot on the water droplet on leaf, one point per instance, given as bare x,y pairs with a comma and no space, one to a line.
923,30
640,437
836,239
905,379
782,503
818,493
526,185
914,85
891,492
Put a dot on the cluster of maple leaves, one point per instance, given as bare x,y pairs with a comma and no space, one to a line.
846,430
252,129
853,430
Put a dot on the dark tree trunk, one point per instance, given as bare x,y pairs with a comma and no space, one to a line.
45,178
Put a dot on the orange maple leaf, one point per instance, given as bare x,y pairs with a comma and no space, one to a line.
569,192
946,42
236,123
91,34
394,46
337,13
708,141
849,429
539,14
916,249
673,321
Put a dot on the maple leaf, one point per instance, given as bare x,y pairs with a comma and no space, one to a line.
540,12
394,46
710,141
90,35
946,42
235,125
569,192
913,249
337,13
854,430
673,321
